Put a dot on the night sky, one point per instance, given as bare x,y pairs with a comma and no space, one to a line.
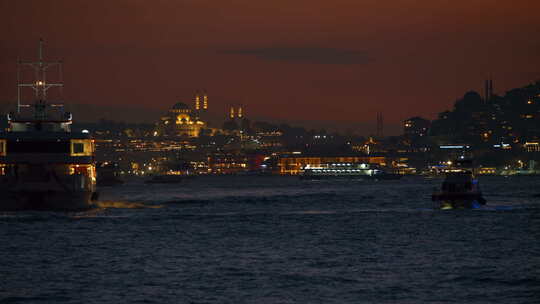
332,62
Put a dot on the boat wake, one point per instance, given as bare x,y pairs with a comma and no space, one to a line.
124,205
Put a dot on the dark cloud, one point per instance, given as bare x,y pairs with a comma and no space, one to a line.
306,55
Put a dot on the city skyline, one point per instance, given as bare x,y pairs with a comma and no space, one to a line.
283,61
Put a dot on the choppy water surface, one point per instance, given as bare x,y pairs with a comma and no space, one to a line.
278,240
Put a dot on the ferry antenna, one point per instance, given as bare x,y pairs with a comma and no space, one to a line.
40,85
18,88
40,53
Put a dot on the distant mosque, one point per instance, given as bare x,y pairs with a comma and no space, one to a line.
183,121
237,122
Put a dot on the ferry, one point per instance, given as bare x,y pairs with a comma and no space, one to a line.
43,165
460,188
345,171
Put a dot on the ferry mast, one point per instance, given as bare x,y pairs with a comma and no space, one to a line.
40,84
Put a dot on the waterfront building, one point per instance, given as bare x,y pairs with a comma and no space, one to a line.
234,162
532,146
272,140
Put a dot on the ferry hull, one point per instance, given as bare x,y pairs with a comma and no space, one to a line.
47,200
324,177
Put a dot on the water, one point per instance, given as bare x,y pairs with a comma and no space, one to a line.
278,240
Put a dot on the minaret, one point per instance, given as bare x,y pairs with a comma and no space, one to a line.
240,112
197,101
232,112
205,100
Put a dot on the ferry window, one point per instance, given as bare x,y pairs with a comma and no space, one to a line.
37,147
78,148
81,147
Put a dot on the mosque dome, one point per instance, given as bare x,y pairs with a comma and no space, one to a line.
180,106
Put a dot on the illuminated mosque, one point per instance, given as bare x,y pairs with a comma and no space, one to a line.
183,121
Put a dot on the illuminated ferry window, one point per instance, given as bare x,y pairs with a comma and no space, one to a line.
82,147
78,148
2,147
80,169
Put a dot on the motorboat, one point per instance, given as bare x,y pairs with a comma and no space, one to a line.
460,188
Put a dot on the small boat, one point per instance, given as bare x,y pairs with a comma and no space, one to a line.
460,189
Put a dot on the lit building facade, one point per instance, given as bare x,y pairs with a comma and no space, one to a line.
532,146
234,162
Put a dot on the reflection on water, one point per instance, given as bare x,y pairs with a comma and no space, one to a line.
125,205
